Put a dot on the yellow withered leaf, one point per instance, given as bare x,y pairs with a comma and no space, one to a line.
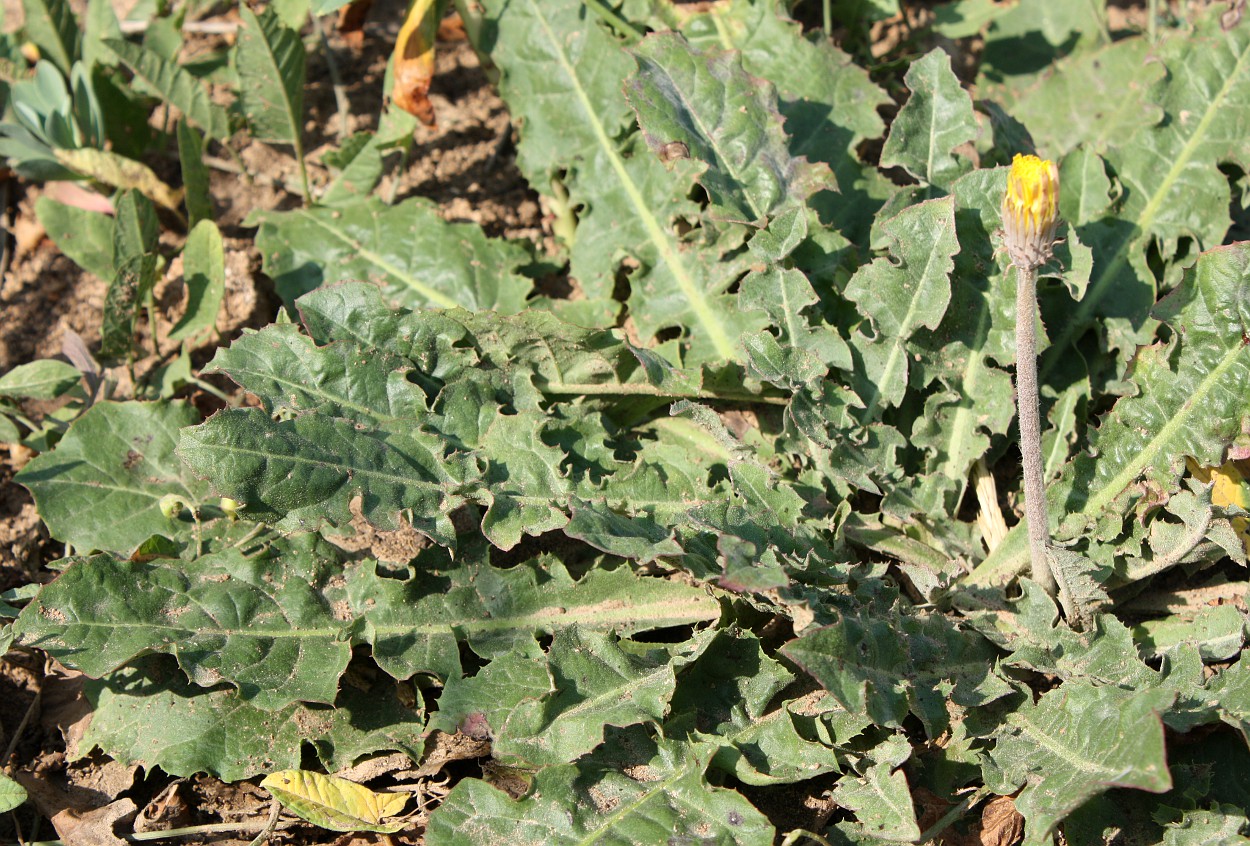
414,60
121,172
335,803
1228,483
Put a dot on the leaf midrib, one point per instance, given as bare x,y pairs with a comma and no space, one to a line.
702,309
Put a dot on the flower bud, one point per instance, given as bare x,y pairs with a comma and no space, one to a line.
230,507
1030,211
172,505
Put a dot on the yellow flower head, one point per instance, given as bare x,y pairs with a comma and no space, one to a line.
1031,210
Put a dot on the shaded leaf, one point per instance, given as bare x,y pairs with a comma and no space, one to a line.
157,718
204,274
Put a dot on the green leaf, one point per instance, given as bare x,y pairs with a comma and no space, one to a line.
561,75
335,803
414,626
99,24
1217,632
966,18
271,61
725,119
43,379
1075,743
134,245
901,296
12,794
889,666
173,84
157,718
194,174
1089,100
1173,185
589,682
256,622
829,102
204,274
52,25
417,257
85,236
881,802
935,120
666,799
427,411
1224,824
1185,401
359,165
102,485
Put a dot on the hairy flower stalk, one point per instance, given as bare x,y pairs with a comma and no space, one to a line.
1030,215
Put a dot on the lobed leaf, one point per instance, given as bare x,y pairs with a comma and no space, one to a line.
665,797
261,622
935,120
408,249
151,716
1075,743
705,106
